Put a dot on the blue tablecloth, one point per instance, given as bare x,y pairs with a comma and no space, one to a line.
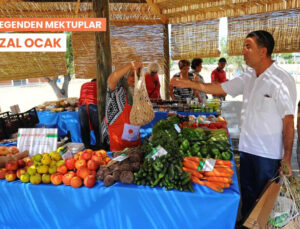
69,121
119,206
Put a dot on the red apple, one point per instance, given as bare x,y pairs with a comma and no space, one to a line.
87,154
2,173
83,172
67,178
11,165
26,159
21,163
76,182
80,163
90,181
92,165
29,163
3,150
56,178
20,172
62,169
101,153
70,163
96,158
93,172
10,176
13,150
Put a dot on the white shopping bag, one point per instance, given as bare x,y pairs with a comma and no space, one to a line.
130,132
37,140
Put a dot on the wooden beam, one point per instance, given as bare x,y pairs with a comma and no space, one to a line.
4,13
77,7
157,11
166,61
103,57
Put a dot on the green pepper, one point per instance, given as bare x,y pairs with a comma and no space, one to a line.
226,155
185,145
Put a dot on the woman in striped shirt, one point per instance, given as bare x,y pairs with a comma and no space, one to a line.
177,93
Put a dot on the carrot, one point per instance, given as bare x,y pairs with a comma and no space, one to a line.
193,172
225,169
217,174
218,162
220,179
210,185
190,165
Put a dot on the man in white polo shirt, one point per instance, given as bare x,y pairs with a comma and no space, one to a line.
267,117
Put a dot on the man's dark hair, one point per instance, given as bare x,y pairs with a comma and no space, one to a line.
196,62
263,39
222,60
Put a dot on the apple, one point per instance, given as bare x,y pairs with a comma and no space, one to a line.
21,163
25,178
31,170
67,178
80,163
56,178
11,165
52,169
60,162
92,165
83,172
90,181
101,153
107,159
46,179
36,178
10,176
70,163
20,172
29,163
76,182
96,158
3,150
13,150
62,169
87,154
2,173
93,172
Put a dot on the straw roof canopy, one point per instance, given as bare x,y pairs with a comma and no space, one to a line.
195,39
283,25
139,42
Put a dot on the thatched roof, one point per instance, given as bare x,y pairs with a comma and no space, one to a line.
283,25
201,19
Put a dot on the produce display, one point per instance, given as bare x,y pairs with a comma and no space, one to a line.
68,104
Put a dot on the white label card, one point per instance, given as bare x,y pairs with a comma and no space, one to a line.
177,128
121,157
209,165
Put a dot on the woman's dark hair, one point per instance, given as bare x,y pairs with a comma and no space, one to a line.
263,39
196,62
183,63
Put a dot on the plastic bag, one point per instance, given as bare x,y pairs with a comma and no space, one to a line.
142,110
285,208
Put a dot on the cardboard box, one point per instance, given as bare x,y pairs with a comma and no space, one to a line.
259,216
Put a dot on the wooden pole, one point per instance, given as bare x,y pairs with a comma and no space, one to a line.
166,61
103,57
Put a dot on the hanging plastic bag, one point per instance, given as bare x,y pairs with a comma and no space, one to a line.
142,110
285,208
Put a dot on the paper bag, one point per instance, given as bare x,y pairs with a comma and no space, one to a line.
259,216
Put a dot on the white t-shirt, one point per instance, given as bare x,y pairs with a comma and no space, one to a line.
267,99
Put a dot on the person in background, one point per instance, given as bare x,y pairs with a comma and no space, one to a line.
196,69
17,156
267,118
177,93
88,114
152,81
219,76
117,132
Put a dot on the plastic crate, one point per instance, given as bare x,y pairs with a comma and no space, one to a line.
12,124
3,134
29,118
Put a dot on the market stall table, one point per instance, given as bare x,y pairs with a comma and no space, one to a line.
69,121
118,206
